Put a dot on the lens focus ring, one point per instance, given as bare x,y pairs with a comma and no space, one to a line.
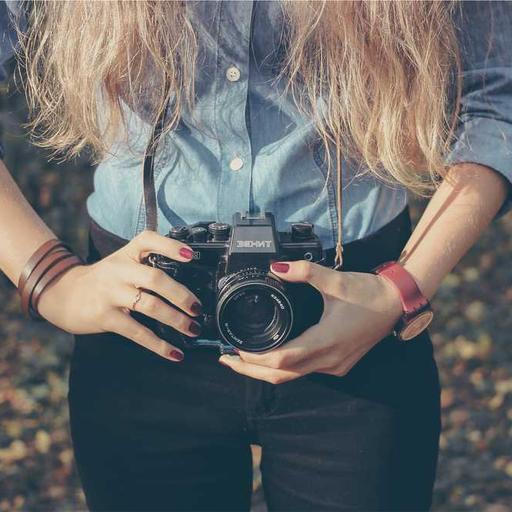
253,310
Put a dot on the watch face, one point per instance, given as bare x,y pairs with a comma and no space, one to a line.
417,325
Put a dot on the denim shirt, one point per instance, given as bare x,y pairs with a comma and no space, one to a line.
246,147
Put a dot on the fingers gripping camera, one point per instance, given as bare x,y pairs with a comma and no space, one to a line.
245,306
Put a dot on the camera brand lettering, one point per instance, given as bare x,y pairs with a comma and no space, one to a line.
278,300
258,244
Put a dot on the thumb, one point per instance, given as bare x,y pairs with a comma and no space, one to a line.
303,272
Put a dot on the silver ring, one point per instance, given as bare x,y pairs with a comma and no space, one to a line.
137,298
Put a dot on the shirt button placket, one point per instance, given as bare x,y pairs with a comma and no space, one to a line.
232,91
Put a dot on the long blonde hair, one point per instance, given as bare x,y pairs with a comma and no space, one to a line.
384,68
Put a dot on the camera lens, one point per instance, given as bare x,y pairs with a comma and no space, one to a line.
253,311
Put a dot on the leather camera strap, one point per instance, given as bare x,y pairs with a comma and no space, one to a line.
150,204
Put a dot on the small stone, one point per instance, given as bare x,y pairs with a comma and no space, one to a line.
496,507
471,274
475,311
459,416
475,436
496,401
42,441
447,398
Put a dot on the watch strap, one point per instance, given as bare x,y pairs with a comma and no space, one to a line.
410,295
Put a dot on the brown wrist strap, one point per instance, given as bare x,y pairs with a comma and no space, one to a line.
36,275
43,267
53,273
36,258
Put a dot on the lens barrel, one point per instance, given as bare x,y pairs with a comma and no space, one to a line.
253,313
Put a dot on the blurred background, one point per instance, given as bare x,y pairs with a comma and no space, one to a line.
471,333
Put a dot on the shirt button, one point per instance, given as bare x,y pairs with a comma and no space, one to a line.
233,74
236,164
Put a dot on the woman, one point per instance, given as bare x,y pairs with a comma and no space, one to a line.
271,107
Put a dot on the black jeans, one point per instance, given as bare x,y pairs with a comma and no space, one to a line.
154,435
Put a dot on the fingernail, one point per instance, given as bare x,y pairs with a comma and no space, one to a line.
185,252
196,308
280,267
177,355
223,361
194,328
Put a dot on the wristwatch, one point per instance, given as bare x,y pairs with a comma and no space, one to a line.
416,307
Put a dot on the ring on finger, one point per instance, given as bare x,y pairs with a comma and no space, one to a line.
137,298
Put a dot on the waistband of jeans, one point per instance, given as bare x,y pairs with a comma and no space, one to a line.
360,255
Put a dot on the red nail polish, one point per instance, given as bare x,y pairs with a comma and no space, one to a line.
278,266
196,308
175,354
185,252
195,328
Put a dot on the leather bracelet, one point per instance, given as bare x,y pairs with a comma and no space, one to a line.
43,267
35,276
51,258
53,273
36,259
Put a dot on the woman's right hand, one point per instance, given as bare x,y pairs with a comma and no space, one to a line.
98,298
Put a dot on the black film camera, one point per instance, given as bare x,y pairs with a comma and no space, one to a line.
244,304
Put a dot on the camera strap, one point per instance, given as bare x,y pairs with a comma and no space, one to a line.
148,173
150,203
338,258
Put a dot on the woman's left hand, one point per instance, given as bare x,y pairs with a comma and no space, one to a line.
359,310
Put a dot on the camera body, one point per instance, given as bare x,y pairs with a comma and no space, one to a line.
245,306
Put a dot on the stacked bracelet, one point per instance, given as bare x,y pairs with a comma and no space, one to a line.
47,263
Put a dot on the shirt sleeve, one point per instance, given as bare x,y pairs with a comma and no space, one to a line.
484,131
11,13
